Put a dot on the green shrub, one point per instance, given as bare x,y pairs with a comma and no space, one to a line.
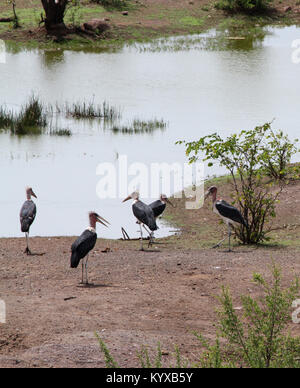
243,5
254,338
113,4
250,157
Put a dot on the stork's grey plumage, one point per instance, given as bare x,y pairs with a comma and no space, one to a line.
230,212
27,215
158,207
82,246
85,243
144,214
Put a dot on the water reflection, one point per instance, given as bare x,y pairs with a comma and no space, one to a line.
51,58
198,91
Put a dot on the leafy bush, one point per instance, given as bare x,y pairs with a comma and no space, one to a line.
113,4
250,157
243,5
256,339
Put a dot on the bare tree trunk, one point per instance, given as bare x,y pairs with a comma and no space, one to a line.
55,12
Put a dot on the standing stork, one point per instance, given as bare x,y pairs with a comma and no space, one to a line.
85,243
144,215
27,216
159,206
228,213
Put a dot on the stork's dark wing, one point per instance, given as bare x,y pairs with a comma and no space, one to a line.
229,211
158,208
82,246
144,214
27,215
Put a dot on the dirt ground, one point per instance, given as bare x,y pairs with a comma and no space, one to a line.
138,298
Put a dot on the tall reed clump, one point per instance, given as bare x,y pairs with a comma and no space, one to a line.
30,120
88,110
6,118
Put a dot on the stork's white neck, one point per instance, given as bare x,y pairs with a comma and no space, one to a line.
91,229
135,201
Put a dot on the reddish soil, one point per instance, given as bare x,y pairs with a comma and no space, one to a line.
138,298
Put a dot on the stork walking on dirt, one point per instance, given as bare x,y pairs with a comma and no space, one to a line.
84,244
144,215
230,215
27,216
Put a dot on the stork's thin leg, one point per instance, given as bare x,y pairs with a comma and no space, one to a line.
86,270
220,243
147,230
141,238
27,250
229,238
151,239
82,270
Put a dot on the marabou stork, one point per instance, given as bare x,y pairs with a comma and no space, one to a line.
27,216
85,243
159,206
227,212
144,215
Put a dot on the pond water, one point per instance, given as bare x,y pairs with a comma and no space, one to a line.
195,88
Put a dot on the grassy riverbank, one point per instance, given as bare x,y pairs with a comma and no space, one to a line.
202,229
146,20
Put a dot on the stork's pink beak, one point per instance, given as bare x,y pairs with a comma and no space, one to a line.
127,199
207,194
102,221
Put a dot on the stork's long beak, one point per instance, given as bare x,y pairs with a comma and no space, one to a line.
127,199
169,202
32,193
207,194
102,221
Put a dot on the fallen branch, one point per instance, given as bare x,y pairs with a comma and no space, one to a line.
125,234
6,20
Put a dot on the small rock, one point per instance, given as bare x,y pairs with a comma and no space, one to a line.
96,25
125,13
